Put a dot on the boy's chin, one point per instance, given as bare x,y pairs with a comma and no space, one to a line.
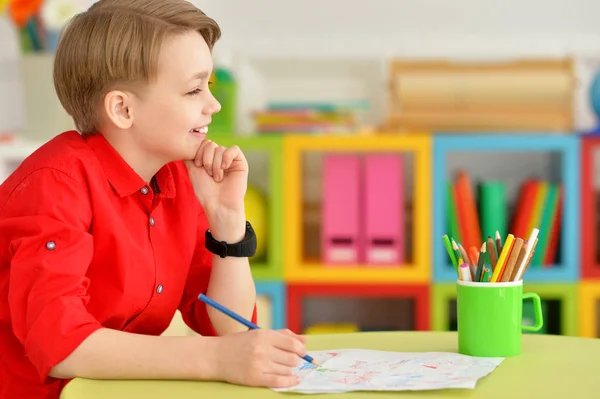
189,154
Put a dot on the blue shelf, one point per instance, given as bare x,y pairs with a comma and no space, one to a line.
277,294
565,144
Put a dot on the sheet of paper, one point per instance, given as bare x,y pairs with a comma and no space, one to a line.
369,370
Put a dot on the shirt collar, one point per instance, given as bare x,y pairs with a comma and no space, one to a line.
121,175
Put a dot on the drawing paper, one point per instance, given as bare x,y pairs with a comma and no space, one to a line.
370,370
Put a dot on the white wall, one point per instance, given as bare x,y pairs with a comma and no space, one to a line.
409,27
339,49
336,49
11,95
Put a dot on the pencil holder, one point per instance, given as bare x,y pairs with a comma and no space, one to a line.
490,318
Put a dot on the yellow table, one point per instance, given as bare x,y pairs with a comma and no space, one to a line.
549,367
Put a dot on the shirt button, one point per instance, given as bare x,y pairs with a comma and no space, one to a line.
50,245
144,190
151,221
159,289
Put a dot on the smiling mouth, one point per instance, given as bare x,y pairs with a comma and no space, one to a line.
200,130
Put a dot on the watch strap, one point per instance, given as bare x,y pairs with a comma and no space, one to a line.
243,249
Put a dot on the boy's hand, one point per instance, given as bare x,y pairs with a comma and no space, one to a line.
219,176
262,358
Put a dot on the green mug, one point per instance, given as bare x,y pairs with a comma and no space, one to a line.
490,318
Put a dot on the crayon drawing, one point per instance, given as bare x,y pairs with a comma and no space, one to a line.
368,370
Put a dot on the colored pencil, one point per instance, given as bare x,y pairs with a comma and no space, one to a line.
245,322
531,242
457,253
515,253
498,243
465,273
464,254
451,254
491,251
522,253
486,275
520,273
502,258
479,273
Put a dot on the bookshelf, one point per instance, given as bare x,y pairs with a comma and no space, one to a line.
418,294
290,275
553,157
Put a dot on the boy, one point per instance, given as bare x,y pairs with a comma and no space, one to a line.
108,230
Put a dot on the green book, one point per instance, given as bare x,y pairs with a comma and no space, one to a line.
452,214
492,209
549,210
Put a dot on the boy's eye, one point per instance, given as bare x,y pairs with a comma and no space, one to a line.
194,92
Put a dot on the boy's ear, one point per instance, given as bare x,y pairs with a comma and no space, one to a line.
117,106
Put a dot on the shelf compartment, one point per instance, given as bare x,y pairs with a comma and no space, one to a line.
303,262
552,157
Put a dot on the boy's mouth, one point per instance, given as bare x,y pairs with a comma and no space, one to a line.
200,130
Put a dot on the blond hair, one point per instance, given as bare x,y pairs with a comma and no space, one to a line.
116,43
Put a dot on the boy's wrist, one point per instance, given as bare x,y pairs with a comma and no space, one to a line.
205,354
228,226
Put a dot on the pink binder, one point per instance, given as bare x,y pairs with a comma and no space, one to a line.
384,210
341,227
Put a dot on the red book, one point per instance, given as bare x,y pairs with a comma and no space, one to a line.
467,211
524,209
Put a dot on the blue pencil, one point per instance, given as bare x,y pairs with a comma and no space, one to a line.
245,322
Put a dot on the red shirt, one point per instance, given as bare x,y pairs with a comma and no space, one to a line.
86,243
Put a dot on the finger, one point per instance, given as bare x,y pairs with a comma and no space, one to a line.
200,152
285,358
279,369
286,331
217,165
280,381
232,153
207,157
289,343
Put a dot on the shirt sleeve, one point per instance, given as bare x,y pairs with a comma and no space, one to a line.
193,311
46,221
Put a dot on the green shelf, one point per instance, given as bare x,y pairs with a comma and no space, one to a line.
271,268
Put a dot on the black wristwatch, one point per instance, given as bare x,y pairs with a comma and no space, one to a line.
243,249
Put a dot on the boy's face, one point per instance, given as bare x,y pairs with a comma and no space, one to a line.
172,114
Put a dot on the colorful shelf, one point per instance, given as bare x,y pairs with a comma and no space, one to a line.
271,268
287,278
